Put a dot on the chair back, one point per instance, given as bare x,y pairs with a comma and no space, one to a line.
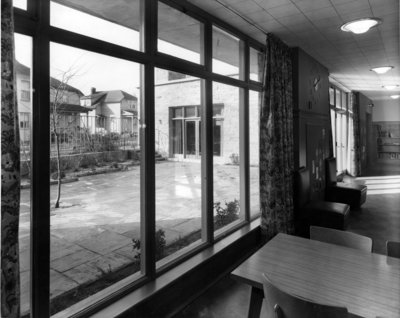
393,249
343,238
284,305
330,171
301,187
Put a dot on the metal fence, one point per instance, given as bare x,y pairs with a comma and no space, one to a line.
82,134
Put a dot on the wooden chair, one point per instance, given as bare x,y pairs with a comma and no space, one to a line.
283,305
393,249
343,238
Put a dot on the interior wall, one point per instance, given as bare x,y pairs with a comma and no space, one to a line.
386,110
311,118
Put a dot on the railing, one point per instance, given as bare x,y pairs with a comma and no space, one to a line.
81,134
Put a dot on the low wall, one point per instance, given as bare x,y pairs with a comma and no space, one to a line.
85,160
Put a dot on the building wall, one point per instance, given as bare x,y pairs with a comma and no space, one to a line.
187,92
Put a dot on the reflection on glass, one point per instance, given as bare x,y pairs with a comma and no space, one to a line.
226,156
104,20
23,73
254,138
179,34
227,54
95,172
256,64
338,99
22,4
178,166
332,96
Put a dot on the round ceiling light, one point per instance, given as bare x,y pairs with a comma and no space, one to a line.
390,87
382,69
361,25
395,96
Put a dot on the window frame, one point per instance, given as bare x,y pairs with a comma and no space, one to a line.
35,22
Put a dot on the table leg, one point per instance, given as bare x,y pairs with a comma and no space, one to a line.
256,300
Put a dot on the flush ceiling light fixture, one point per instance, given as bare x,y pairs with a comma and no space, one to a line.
395,96
390,87
382,69
361,25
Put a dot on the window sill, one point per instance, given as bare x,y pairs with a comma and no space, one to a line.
126,304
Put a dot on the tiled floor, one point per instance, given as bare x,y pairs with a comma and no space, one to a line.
379,218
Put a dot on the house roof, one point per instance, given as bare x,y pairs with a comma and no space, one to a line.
72,108
21,68
114,96
55,83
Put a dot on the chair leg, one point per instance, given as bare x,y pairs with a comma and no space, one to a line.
256,300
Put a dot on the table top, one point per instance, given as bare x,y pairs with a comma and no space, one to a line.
368,284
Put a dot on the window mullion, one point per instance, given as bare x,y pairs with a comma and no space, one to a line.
40,184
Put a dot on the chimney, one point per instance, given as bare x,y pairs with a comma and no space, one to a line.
93,90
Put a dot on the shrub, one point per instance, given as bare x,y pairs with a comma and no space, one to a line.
227,214
160,246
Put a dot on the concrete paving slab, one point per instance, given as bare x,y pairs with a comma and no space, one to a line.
131,229
110,262
61,247
105,242
60,283
83,274
127,251
70,261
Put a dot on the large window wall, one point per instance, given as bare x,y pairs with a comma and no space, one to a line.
141,139
342,127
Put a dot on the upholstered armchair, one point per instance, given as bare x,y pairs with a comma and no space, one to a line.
315,212
351,193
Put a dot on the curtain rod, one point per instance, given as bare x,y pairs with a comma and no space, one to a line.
241,16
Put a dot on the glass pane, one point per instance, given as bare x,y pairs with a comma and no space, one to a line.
254,138
23,73
190,111
178,170
338,99
332,96
95,212
227,54
344,100
256,65
103,20
179,34
226,157
22,4
333,128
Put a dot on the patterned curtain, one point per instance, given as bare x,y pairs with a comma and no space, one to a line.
356,160
10,173
276,140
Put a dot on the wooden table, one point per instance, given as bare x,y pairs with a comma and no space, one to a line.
368,284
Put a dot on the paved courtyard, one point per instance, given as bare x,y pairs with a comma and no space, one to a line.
92,231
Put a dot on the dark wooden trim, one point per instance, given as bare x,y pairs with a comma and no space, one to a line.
171,292
244,153
147,139
40,177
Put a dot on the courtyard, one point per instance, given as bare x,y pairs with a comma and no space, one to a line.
93,232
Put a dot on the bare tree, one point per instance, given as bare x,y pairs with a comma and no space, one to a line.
59,90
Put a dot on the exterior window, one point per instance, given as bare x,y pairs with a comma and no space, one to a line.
98,25
95,228
254,150
227,54
179,34
178,183
256,65
104,198
226,157
25,91
23,67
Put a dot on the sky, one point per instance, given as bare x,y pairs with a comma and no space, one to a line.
96,70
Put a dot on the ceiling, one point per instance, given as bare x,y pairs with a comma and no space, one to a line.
314,26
